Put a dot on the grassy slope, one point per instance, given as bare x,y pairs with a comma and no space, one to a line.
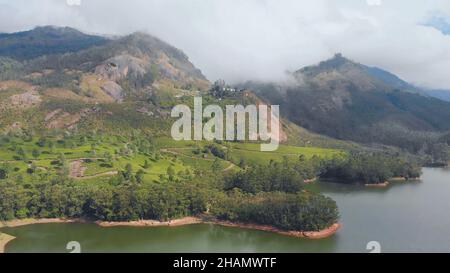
123,118
179,155
250,152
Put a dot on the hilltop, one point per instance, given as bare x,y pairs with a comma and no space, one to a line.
347,100
115,84
45,40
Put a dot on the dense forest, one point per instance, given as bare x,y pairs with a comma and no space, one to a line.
346,100
287,211
368,168
85,134
38,184
126,199
356,167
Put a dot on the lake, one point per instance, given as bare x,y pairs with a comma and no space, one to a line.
404,217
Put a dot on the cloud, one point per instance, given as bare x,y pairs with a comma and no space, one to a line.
262,39
440,23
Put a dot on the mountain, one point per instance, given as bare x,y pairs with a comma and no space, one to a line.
129,81
45,40
440,94
347,100
129,63
126,83
132,82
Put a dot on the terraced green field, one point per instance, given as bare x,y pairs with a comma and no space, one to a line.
86,158
19,157
250,152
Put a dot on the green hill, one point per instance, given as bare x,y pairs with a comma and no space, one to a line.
85,127
351,101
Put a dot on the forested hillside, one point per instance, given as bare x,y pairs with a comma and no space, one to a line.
350,101
85,132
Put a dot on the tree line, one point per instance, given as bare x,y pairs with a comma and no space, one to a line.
368,168
289,175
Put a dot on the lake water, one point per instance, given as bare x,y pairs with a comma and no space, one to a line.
404,217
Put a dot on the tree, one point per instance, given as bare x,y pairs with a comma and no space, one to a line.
35,153
216,167
32,168
129,168
51,145
41,142
61,159
171,173
146,164
22,154
140,176
3,174
242,163
229,151
108,158
301,158
128,173
64,166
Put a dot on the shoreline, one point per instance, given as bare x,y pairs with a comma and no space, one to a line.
179,222
325,233
152,223
309,181
378,185
398,179
26,222
4,240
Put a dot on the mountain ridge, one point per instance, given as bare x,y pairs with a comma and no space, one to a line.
132,82
127,82
45,40
350,101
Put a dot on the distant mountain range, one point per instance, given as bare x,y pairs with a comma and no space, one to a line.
440,94
347,100
60,78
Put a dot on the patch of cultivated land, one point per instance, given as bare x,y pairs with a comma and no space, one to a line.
97,159
86,159
251,153
77,169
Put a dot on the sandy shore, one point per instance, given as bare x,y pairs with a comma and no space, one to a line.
398,179
4,240
153,223
309,181
179,222
299,234
378,185
25,222
197,220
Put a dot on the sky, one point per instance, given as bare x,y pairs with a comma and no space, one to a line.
240,40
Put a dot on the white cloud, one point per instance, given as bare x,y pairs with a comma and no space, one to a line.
261,39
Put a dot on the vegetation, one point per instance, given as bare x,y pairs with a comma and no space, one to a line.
300,211
37,180
28,45
347,100
113,201
368,168
288,175
79,138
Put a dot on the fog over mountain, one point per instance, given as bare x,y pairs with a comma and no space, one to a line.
262,39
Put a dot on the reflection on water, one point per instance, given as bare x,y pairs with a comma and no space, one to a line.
406,216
